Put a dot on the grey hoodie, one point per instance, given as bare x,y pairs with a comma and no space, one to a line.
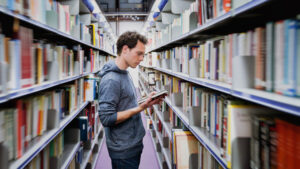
117,93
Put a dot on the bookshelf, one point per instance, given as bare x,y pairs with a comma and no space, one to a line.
167,126
204,137
90,57
36,88
46,29
158,155
236,17
41,142
165,151
69,154
88,153
279,102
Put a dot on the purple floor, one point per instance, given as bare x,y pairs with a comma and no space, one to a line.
148,159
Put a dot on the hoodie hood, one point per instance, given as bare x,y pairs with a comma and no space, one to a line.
111,67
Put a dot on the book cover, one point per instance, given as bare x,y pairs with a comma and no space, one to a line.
26,56
185,144
83,126
270,56
279,55
260,55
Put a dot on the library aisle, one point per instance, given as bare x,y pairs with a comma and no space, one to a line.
148,159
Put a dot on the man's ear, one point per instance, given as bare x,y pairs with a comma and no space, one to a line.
125,49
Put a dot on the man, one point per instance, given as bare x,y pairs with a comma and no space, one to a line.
118,108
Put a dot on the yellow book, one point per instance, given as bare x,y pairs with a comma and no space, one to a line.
202,58
71,66
41,101
39,56
168,54
93,31
175,85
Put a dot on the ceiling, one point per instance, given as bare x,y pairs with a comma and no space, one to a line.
125,10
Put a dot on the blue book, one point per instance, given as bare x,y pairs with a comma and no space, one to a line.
11,4
297,60
83,126
290,57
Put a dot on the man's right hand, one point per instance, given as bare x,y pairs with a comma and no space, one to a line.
149,102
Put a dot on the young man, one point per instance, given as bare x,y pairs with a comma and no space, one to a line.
118,108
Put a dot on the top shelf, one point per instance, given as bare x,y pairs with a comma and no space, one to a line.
43,28
253,14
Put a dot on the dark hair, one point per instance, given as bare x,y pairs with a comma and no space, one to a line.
130,39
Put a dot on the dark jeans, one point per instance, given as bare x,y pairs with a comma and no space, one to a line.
129,163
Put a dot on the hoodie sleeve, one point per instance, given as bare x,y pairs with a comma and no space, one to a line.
108,101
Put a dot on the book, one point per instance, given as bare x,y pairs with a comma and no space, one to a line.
155,96
185,144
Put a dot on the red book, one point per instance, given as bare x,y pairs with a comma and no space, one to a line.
25,35
227,5
290,146
45,68
92,60
297,145
20,129
281,158
200,12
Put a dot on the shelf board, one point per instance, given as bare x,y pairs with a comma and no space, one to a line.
220,86
286,104
69,153
39,87
87,153
252,14
49,29
39,143
205,138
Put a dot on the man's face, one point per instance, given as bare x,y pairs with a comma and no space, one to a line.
134,56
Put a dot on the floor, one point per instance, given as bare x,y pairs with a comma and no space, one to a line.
148,159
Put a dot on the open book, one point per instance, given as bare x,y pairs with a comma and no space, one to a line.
160,93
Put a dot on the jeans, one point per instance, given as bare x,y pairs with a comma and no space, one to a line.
129,163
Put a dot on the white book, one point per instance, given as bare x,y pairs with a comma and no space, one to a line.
212,114
15,65
206,60
73,92
185,60
35,115
15,134
46,107
279,54
29,114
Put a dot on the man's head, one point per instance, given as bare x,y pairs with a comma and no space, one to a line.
131,46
